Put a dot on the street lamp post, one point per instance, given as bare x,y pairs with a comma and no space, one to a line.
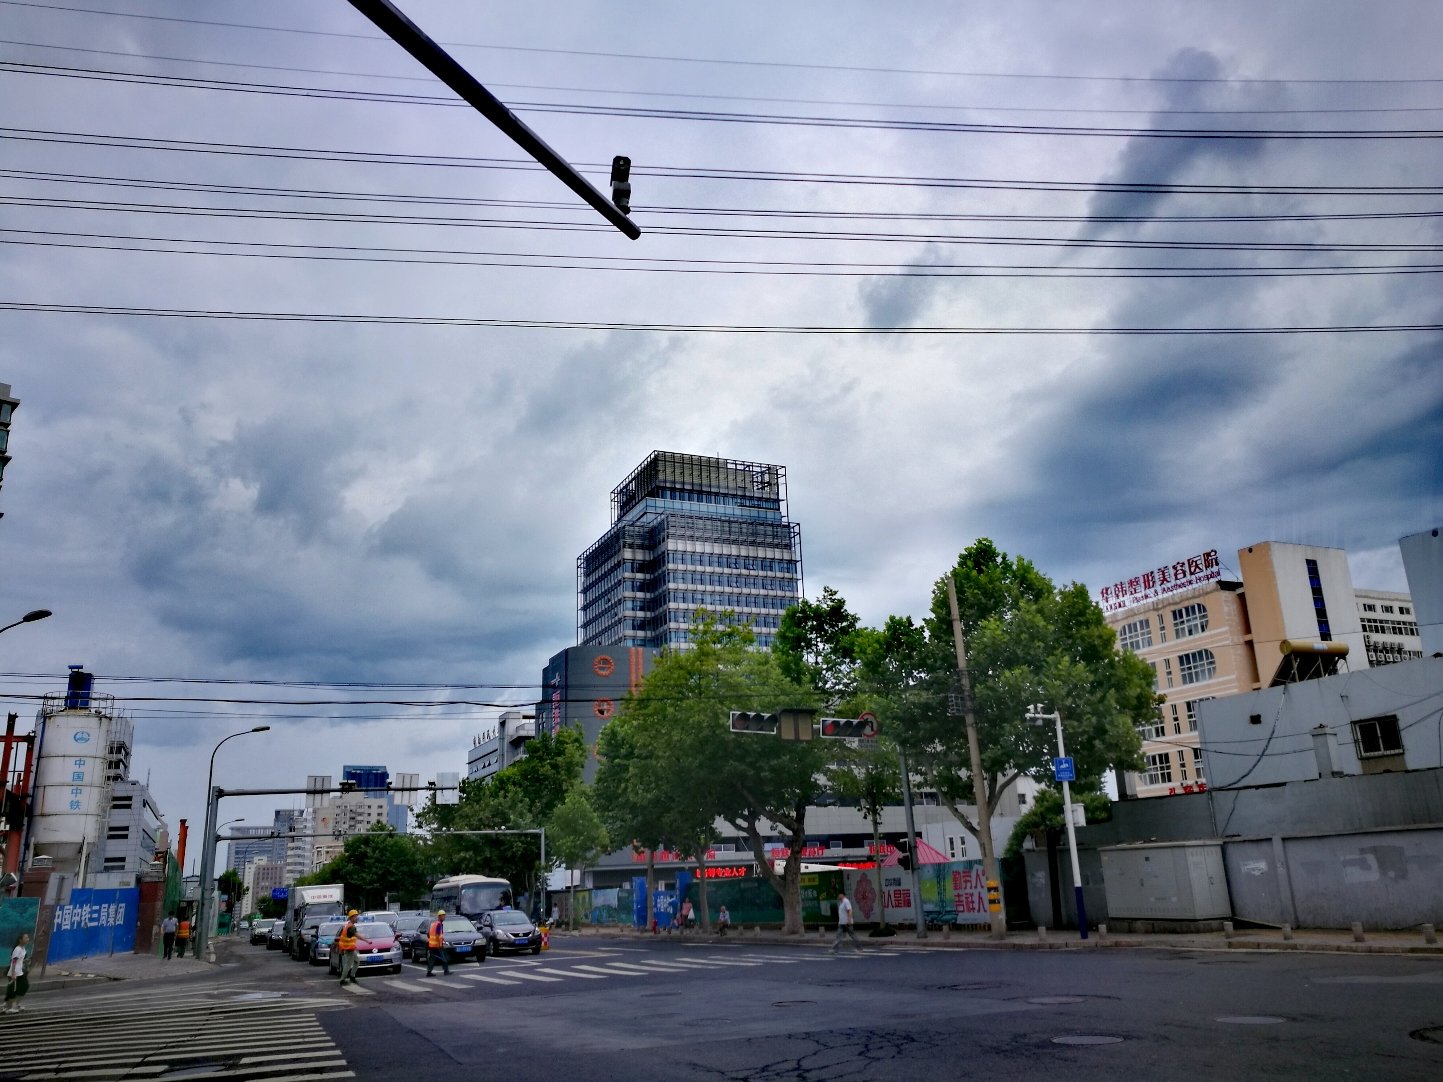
204,947
29,618
1036,715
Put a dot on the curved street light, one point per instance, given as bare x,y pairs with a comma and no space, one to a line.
207,852
29,618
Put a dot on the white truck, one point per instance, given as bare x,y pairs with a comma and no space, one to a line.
309,902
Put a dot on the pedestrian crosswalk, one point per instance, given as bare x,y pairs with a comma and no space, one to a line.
555,972
156,1033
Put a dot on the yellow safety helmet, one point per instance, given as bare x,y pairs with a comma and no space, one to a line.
353,913
440,912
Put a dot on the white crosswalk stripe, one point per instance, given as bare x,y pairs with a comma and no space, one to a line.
530,975
98,1038
573,973
488,979
613,972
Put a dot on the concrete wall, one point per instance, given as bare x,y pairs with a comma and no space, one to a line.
1385,879
1315,854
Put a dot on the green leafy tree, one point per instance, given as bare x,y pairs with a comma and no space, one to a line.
577,836
684,754
1028,641
378,864
1045,816
230,884
520,797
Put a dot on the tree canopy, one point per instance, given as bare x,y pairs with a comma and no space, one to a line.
671,766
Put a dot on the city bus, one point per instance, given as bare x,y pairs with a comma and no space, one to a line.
471,896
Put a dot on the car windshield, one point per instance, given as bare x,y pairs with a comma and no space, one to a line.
374,930
509,918
331,929
459,924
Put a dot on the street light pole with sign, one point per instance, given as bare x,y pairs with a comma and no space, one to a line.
204,947
1064,769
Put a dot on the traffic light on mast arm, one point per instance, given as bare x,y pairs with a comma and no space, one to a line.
862,728
745,721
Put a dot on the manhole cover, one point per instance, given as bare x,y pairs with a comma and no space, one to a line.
1432,1033
795,1003
1251,1020
1053,1001
1086,1038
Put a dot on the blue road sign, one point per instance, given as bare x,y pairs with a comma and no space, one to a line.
1064,769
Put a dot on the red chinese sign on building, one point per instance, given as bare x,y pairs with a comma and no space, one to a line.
1161,581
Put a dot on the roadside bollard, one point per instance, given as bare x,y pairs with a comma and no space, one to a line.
1287,933
1357,931
1227,929
1429,935
946,931
1042,932
1102,931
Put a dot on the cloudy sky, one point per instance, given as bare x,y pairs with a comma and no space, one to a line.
952,230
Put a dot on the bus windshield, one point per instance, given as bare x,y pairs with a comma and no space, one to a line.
483,897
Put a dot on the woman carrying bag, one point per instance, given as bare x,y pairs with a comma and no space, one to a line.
17,983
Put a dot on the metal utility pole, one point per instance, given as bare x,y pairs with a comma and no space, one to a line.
441,64
998,926
918,917
1063,770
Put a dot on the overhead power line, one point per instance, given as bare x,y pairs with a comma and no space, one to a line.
701,328
662,265
716,117
710,173
693,95
172,184
1047,76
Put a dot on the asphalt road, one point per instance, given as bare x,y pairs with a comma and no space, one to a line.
642,1009
706,1009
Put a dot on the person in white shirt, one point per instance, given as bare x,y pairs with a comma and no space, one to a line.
17,983
845,926
167,933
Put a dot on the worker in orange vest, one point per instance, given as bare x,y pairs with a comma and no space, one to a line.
436,945
346,940
182,937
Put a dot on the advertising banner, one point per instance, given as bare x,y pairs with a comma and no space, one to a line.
94,922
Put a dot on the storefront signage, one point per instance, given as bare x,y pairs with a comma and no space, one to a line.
1161,581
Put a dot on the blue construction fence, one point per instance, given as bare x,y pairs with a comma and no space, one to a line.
94,922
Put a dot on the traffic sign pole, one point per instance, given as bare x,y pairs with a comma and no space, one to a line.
1064,770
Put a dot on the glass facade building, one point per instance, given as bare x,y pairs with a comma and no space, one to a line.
690,532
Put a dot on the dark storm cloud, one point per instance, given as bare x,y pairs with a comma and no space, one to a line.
898,300
1164,160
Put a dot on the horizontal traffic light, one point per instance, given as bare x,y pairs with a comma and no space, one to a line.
745,721
862,728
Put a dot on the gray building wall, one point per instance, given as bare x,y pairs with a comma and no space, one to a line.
1278,746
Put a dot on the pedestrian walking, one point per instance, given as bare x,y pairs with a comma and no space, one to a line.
845,925
16,982
436,945
346,940
167,934
182,938
686,914
723,921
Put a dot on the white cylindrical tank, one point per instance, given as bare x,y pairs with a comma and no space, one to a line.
71,795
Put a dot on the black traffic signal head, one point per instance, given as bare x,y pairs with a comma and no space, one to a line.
863,728
621,183
745,721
